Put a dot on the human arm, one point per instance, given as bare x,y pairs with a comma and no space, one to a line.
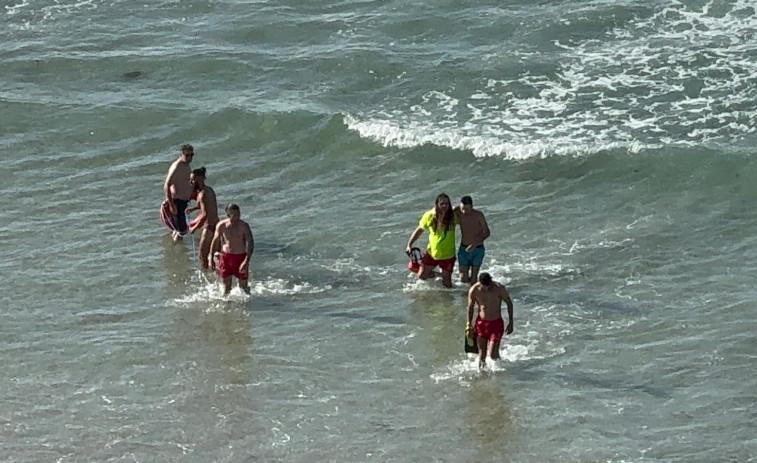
202,217
413,237
167,188
485,233
214,246
506,298
469,315
249,247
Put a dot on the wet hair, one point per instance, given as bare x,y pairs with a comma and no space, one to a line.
443,221
467,200
199,172
485,279
232,207
187,147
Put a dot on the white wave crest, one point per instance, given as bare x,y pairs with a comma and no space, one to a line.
41,12
683,76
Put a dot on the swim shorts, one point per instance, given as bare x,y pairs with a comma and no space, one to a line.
471,259
492,330
445,264
229,264
180,219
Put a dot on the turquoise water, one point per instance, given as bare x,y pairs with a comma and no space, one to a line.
610,145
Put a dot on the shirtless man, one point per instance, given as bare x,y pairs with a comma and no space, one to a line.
234,238
178,190
489,327
473,230
208,217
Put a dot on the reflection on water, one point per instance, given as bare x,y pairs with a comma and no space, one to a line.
440,317
177,264
214,335
488,416
223,340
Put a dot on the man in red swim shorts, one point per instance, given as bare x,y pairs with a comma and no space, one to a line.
489,327
234,237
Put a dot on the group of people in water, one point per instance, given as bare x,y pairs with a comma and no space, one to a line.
487,294
226,246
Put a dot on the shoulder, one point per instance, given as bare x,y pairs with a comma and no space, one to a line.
428,216
482,219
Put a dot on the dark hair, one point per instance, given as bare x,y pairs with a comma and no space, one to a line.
199,172
443,222
232,207
187,147
485,279
467,200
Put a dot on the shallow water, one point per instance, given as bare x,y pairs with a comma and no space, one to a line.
610,145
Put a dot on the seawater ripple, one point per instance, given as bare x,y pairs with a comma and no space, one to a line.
682,77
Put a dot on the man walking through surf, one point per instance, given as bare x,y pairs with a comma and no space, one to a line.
473,231
489,326
234,238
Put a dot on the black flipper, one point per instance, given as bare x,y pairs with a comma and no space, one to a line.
470,345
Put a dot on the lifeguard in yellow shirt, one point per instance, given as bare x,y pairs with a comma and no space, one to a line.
440,223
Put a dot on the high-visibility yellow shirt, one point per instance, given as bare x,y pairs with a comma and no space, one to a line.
441,243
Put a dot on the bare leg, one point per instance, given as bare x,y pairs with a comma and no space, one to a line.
494,353
204,248
226,286
426,273
474,274
464,275
446,278
244,286
481,352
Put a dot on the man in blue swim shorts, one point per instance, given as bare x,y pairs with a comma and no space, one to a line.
474,230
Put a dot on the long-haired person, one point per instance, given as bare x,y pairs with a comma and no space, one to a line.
440,224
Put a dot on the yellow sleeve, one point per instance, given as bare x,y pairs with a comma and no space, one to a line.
426,220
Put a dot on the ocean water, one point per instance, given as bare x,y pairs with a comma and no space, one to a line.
611,145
